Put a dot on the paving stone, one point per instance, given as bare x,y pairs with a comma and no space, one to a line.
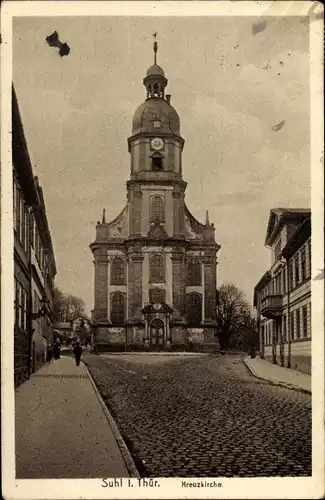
206,414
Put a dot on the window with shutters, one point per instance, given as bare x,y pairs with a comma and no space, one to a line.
305,321
298,323
303,264
284,281
32,231
157,209
194,274
297,270
21,298
194,309
290,271
157,268
292,325
118,271
277,250
157,296
309,258
16,302
117,308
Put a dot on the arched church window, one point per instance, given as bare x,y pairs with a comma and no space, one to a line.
117,308
156,89
157,268
118,271
157,162
194,309
149,91
157,209
194,274
157,296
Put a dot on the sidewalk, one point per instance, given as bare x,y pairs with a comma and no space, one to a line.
279,375
63,430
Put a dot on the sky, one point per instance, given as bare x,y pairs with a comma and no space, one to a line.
229,87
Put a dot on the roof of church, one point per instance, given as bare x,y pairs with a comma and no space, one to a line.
155,69
152,110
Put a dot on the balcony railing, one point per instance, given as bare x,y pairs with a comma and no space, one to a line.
271,306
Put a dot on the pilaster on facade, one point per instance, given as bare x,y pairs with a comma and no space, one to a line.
135,285
178,284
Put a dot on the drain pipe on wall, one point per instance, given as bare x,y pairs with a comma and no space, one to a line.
288,322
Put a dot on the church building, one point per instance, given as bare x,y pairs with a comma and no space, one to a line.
155,264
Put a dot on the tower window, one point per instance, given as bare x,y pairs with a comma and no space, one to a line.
118,271
194,309
117,308
194,272
157,162
157,268
157,296
157,209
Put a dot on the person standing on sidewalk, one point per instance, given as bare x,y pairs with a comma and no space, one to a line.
77,351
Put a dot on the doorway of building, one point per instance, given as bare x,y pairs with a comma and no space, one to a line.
157,332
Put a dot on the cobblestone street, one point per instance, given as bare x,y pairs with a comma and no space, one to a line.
204,416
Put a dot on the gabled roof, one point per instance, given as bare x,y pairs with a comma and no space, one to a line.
277,218
299,237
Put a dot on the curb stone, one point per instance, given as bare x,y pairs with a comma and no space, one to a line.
129,462
275,382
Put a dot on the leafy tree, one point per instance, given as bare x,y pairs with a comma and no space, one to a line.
67,307
234,317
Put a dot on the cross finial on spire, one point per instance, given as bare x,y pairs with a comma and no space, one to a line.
104,217
155,47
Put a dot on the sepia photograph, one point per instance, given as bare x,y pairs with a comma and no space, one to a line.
163,311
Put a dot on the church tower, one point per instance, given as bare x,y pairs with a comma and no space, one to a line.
155,264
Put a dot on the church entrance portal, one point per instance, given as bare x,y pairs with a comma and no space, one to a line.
157,332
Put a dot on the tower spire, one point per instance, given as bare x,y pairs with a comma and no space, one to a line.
104,216
207,222
155,47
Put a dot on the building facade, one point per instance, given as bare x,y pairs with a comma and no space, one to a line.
155,264
282,296
34,264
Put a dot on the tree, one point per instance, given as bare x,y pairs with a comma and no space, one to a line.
67,307
233,317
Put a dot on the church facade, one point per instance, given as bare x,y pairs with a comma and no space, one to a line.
155,264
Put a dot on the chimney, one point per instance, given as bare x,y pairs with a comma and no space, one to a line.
168,97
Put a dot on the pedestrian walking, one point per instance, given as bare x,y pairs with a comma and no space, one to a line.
77,351
56,351
49,353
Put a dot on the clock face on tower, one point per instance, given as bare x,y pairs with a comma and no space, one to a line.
157,143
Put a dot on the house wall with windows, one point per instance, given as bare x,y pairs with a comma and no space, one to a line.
34,265
283,299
